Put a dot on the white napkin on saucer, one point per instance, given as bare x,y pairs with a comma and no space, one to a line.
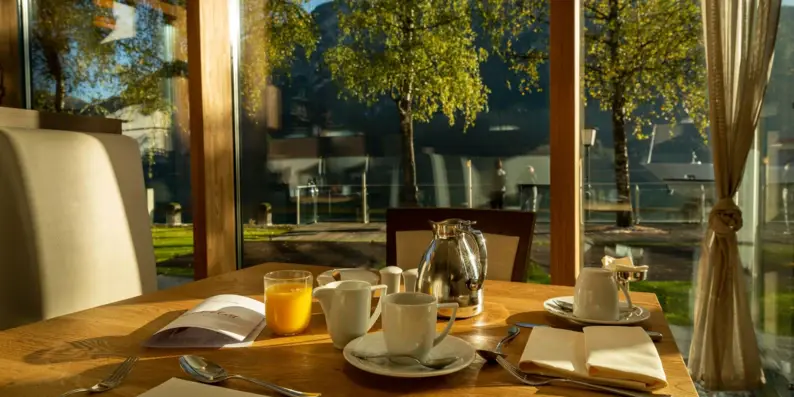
617,356
176,387
625,264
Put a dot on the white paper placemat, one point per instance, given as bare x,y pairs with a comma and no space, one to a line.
176,387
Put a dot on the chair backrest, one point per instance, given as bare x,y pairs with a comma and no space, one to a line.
74,227
508,237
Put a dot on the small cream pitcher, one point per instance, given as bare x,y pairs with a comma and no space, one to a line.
347,305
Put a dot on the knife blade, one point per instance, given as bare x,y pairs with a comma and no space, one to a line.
655,336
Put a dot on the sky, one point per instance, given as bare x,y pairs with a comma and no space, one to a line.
315,3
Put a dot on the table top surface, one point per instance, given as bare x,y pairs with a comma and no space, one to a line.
77,350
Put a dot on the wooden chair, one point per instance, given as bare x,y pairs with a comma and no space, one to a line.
74,225
508,236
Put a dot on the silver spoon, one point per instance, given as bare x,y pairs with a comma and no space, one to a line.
432,363
490,355
206,371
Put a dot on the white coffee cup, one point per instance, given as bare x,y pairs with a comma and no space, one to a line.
596,295
409,323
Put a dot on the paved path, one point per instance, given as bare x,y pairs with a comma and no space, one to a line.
669,249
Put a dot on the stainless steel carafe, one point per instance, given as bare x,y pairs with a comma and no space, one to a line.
453,267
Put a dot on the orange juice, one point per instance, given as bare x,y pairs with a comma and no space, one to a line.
288,308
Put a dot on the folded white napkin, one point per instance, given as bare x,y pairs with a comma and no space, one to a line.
617,356
176,387
621,264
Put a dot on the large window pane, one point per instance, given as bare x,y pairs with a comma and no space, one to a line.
768,194
321,138
126,61
649,177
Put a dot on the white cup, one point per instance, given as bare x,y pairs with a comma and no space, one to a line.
409,323
596,295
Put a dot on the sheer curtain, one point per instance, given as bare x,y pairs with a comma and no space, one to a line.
740,42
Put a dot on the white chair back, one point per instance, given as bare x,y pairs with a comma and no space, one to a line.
74,227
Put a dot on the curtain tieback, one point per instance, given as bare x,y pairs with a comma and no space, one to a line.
725,217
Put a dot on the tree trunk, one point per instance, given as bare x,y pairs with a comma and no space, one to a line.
55,68
622,183
408,190
60,92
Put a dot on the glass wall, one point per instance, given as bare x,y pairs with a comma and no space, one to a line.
126,61
649,178
322,152
768,195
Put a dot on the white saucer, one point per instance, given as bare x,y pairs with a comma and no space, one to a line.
639,315
374,344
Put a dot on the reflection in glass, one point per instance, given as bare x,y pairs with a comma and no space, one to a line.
343,117
126,61
667,164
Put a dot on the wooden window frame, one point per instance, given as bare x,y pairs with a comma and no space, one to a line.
10,61
211,138
565,60
212,131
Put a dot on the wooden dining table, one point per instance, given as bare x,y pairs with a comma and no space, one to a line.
50,357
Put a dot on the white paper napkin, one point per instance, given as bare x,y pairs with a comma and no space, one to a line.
176,387
617,356
621,264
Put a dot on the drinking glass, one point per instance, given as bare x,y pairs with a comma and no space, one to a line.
288,301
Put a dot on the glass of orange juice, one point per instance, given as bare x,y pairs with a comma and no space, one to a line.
288,301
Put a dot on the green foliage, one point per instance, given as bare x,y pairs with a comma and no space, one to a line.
643,52
421,54
66,49
508,25
273,32
74,72
69,60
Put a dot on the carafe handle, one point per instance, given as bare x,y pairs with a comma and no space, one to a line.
482,253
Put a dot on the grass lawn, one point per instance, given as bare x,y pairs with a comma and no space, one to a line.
673,296
171,242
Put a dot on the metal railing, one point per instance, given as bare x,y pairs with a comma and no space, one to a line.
649,202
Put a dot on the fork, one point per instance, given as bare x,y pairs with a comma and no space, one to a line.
110,382
518,374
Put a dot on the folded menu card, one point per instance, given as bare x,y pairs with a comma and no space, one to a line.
176,387
617,356
219,321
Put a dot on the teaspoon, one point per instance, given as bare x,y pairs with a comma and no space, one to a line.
490,355
206,371
432,363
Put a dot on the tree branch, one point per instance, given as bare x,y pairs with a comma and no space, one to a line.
593,8
440,23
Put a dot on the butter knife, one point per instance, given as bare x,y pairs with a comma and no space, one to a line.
655,336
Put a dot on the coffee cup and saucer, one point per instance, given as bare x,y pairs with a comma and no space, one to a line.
596,302
409,329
